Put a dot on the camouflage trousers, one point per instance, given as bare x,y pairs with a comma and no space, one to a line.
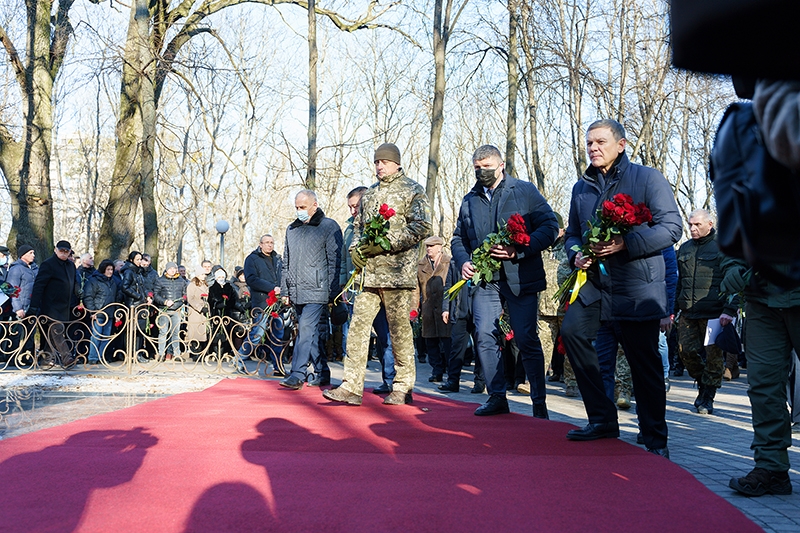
622,375
366,306
691,334
549,327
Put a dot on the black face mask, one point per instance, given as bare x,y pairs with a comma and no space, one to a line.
485,176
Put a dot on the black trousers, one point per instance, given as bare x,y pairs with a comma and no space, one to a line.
640,342
459,340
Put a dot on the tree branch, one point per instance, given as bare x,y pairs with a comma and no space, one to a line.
13,58
62,32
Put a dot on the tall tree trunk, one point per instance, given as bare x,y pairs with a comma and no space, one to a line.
311,175
133,155
437,115
528,29
513,87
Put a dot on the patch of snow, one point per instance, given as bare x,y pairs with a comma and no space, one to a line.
172,383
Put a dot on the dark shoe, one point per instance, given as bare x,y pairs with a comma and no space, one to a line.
292,382
342,396
423,358
319,382
700,392
706,406
398,398
601,430
478,388
761,481
663,452
540,411
553,378
382,389
435,378
449,386
678,372
639,438
495,405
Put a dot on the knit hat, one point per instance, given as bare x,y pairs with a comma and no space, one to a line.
171,264
24,249
387,152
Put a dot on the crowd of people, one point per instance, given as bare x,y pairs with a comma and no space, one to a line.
607,337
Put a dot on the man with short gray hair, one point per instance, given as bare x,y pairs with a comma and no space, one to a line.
310,279
698,300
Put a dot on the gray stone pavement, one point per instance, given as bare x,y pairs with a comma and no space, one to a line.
712,448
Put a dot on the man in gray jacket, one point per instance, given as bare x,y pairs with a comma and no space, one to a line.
310,280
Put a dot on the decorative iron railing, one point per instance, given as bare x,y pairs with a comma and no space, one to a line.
130,339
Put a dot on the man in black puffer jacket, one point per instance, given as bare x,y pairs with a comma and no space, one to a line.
628,286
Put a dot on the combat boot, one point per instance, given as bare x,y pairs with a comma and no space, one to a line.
706,407
700,394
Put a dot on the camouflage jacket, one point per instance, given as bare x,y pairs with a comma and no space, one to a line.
557,270
397,268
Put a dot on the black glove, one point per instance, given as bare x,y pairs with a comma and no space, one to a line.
733,282
359,261
370,250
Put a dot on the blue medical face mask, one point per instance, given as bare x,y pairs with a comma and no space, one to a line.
302,216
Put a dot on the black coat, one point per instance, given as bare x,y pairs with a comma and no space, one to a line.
222,300
479,216
54,289
100,291
262,274
170,289
133,292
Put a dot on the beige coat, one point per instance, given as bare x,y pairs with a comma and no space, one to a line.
196,320
431,295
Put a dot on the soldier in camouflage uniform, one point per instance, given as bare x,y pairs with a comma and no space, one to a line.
390,277
551,312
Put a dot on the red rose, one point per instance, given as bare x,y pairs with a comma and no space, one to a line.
413,314
622,198
521,238
118,323
383,209
149,294
224,296
643,214
510,335
274,314
608,208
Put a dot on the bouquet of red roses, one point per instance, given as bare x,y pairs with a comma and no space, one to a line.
614,217
513,232
375,231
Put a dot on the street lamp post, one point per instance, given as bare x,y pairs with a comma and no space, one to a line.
222,228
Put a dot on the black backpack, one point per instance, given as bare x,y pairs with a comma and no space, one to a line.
758,199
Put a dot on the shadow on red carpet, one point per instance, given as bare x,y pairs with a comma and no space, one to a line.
246,455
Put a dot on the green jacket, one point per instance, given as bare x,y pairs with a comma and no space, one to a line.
761,290
699,275
397,268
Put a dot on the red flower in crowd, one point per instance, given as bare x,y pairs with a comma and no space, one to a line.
272,299
413,314
560,346
274,314
510,335
149,294
118,323
183,297
386,212
224,296
521,238
516,224
204,295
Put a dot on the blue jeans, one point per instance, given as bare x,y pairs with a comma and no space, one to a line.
169,325
663,349
306,347
271,343
101,329
384,347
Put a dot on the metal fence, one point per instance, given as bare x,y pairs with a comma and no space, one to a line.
125,339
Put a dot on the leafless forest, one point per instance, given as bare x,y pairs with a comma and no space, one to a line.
140,124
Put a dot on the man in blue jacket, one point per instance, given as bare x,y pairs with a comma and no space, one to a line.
494,198
628,289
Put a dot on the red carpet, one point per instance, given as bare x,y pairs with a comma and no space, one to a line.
246,455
